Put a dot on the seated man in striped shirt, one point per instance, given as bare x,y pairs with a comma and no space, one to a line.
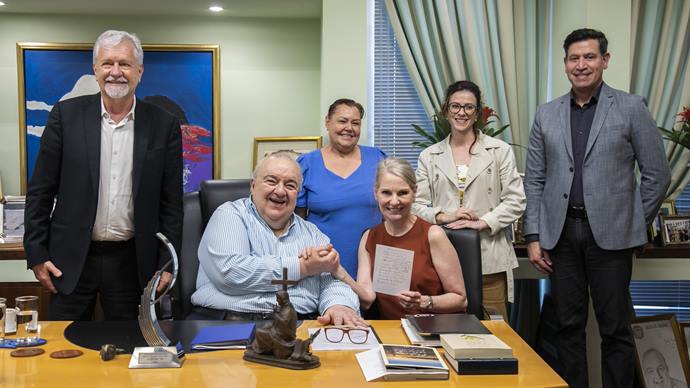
248,242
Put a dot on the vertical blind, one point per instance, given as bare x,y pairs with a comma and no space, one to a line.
396,104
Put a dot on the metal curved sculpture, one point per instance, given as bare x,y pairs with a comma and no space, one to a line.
148,322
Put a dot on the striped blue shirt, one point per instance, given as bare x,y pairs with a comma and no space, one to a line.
239,255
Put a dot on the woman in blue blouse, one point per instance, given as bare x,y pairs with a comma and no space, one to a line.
337,193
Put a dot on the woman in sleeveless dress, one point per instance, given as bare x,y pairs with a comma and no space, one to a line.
436,284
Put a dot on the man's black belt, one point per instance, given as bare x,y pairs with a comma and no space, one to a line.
229,315
577,212
106,246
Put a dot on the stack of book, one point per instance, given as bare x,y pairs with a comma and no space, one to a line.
424,329
402,362
478,354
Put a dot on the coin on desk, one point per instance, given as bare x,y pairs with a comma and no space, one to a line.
67,353
27,352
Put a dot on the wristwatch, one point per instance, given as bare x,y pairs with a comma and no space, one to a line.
430,303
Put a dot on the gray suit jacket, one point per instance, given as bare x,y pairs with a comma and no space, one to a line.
623,135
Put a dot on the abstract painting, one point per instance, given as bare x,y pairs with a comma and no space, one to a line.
182,79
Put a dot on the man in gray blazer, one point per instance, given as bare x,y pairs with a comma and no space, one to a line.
586,211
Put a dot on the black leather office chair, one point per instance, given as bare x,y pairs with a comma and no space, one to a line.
468,246
198,208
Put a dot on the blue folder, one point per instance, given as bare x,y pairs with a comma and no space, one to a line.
234,336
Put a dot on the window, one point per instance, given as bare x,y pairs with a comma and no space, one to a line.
661,297
396,104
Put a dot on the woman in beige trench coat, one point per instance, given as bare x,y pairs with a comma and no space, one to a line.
470,180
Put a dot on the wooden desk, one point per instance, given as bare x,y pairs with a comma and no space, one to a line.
226,368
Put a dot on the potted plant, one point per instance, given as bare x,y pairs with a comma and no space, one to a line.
681,135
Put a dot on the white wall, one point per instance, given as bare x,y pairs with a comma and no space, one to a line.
269,74
612,17
344,55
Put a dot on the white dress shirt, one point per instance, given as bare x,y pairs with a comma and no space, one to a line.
115,212
239,256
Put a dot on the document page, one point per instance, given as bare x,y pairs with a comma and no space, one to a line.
372,364
392,269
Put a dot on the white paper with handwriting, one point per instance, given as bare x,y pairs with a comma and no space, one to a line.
392,269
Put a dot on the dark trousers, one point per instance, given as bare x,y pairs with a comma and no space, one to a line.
581,267
110,271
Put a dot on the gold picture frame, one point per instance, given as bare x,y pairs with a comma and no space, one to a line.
668,208
685,330
654,233
659,342
188,75
264,146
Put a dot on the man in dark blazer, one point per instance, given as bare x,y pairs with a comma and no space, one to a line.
112,165
586,211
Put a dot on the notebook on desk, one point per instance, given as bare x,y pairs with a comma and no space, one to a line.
235,336
436,324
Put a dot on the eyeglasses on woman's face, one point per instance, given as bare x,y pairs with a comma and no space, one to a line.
468,108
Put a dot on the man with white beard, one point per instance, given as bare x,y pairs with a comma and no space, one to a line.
112,165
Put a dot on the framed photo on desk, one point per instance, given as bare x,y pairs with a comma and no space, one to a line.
667,209
675,230
12,221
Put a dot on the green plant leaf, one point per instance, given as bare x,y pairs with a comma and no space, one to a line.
421,144
680,137
423,133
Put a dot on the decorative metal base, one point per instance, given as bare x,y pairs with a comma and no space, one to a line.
151,357
250,355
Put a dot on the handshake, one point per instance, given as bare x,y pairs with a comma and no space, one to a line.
315,260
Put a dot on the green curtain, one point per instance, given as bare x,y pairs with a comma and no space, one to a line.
501,45
660,71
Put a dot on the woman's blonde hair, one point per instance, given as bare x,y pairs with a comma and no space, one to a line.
398,167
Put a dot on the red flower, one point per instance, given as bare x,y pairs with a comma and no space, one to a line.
488,112
684,115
